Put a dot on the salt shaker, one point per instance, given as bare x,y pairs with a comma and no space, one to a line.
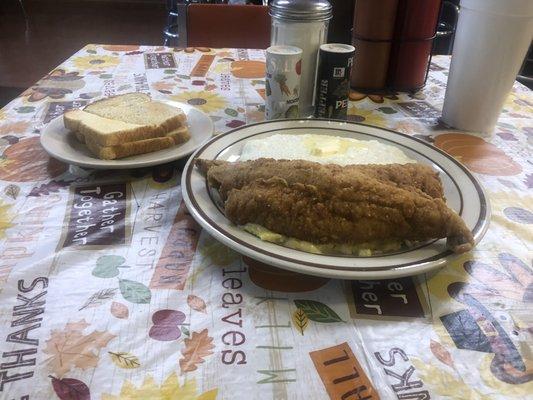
282,82
304,24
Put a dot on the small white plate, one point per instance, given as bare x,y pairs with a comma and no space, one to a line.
463,193
63,145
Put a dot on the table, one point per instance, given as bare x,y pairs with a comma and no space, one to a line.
109,289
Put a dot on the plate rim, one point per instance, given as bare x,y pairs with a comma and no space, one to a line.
421,266
125,163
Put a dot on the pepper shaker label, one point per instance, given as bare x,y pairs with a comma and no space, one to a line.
333,80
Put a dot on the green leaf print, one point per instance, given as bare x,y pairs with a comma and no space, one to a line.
123,87
106,76
169,71
317,311
292,112
387,110
231,112
185,331
135,292
268,90
105,271
111,261
107,266
25,109
183,76
91,51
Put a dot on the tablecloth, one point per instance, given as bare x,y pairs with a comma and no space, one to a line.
110,290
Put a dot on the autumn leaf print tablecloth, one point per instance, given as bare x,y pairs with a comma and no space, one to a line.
109,289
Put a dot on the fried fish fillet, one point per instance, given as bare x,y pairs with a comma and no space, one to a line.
411,176
338,204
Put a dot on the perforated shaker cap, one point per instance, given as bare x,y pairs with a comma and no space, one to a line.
301,10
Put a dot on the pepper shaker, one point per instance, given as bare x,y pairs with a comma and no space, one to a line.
304,24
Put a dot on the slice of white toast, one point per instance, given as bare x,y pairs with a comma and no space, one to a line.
73,118
125,118
127,149
104,131
135,109
121,99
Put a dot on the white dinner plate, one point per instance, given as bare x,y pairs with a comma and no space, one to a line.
63,145
463,193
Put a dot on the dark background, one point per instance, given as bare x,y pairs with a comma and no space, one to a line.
38,36
35,42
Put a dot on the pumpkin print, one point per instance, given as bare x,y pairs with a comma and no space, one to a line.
247,69
120,47
478,155
272,278
27,161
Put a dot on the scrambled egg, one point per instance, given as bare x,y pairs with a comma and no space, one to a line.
361,250
323,149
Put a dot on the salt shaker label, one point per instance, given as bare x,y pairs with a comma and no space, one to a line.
282,84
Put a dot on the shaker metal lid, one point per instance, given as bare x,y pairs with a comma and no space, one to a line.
337,48
284,50
298,10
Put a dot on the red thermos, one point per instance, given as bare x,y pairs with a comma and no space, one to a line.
416,25
373,30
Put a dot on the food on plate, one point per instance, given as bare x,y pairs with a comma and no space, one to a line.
406,176
353,209
175,137
323,149
127,125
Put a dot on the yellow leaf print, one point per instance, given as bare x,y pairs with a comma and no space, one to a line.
221,68
438,285
5,218
216,253
170,389
444,383
370,117
125,360
91,47
300,320
95,62
501,204
4,162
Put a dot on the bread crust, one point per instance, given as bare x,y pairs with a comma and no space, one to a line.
105,126
130,148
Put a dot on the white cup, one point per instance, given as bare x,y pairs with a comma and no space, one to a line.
491,41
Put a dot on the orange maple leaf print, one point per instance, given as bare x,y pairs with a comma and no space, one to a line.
199,346
70,348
